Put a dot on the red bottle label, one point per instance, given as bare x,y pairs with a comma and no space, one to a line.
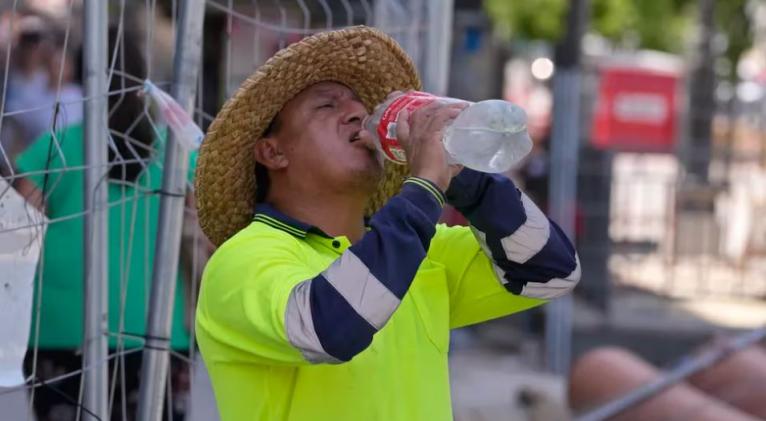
390,145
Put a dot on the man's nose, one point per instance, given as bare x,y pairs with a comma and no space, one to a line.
355,113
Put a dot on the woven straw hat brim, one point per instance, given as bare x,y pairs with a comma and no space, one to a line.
366,60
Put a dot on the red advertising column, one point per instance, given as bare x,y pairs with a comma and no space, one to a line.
636,110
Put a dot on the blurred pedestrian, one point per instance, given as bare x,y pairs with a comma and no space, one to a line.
27,83
54,168
63,96
28,77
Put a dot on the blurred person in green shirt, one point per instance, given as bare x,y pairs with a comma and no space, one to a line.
54,170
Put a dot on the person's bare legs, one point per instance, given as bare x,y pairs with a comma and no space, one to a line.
739,380
604,374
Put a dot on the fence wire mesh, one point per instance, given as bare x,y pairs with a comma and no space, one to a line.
42,158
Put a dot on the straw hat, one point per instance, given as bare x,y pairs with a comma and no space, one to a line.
366,60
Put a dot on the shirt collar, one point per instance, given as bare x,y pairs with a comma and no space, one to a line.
269,215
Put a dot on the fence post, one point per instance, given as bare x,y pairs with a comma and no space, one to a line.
96,283
565,143
154,369
438,47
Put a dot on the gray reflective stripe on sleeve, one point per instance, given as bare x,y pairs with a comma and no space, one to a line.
361,289
499,274
482,239
529,238
300,326
555,287
551,289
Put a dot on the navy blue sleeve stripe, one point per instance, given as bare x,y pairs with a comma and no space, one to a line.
531,252
333,316
299,326
361,289
399,237
341,331
556,260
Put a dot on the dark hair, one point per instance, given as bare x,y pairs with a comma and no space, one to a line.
129,126
261,172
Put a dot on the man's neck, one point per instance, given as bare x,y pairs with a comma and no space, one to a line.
334,215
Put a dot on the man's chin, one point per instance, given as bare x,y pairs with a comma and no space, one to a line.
373,175
369,176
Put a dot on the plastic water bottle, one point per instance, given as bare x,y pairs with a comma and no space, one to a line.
489,136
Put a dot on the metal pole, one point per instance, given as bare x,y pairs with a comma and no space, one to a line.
702,97
155,355
96,284
439,46
565,141
684,369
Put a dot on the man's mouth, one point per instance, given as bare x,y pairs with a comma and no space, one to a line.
364,141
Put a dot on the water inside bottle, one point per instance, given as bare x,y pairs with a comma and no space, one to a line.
489,136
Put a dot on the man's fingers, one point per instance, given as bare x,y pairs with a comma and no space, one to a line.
403,127
448,112
442,118
428,113
428,121
425,112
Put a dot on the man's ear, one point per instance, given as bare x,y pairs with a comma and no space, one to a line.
269,154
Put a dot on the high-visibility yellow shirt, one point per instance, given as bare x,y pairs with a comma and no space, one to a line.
297,325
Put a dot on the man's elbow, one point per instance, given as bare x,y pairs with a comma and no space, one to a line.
560,285
570,281
574,276
566,264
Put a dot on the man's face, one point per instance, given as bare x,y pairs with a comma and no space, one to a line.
318,133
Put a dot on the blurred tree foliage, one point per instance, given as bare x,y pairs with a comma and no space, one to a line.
733,20
655,24
527,19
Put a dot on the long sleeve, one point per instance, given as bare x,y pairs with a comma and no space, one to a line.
263,302
354,298
530,254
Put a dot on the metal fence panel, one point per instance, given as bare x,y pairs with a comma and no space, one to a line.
237,36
